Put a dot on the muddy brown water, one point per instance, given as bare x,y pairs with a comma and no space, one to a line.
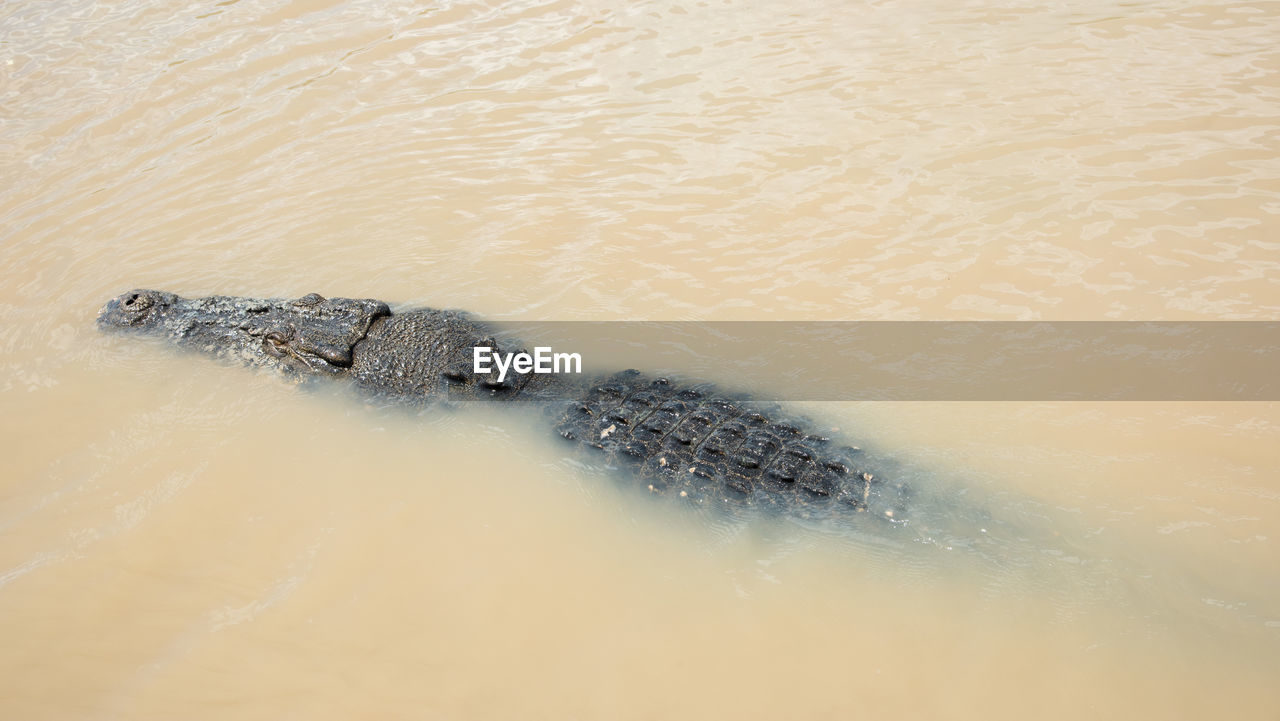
181,538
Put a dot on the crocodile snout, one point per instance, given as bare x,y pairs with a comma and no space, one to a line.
135,308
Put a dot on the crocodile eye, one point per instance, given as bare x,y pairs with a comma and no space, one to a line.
309,299
273,344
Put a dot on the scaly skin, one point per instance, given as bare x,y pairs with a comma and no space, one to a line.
696,444
686,441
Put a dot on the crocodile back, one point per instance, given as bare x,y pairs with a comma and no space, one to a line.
704,446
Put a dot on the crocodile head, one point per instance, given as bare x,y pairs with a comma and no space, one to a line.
311,335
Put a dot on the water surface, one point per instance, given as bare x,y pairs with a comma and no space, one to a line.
183,538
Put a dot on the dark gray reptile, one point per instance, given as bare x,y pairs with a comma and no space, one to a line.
685,441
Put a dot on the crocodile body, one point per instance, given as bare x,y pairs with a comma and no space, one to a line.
697,445
685,441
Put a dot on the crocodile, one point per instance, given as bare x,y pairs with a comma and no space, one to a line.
683,440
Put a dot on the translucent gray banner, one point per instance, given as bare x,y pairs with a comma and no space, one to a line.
934,361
